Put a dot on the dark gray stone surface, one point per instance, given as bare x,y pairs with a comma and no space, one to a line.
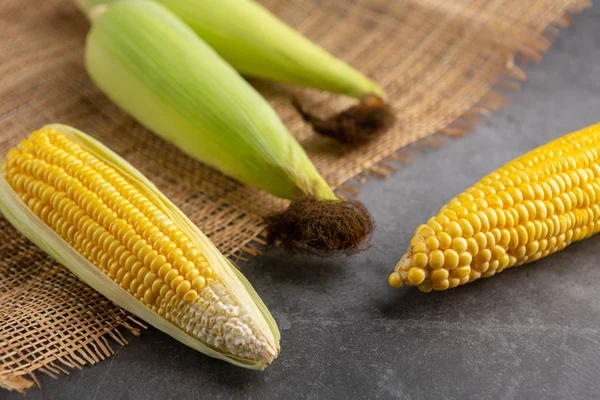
530,332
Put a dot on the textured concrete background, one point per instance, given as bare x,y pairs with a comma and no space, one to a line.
530,332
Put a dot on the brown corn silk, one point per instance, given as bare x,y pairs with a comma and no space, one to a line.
438,61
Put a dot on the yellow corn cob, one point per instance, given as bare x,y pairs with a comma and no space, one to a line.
110,215
533,206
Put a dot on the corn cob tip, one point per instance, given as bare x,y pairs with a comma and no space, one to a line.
355,125
321,227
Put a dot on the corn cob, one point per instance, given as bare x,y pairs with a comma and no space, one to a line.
532,207
156,68
257,44
104,221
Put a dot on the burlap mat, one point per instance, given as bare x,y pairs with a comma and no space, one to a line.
437,59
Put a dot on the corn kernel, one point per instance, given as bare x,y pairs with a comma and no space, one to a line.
450,259
420,260
416,276
436,259
432,243
395,280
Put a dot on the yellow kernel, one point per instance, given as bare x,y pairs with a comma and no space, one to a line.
519,252
494,201
532,248
472,246
437,228
436,259
432,243
482,267
450,259
481,240
465,259
190,296
483,256
461,272
504,238
498,252
416,276
467,229
469,206
158,262
176,281
543,245
491,239
186,267
485,223
171,275
198,283
192,274
453,282
439,275
442,219
149,279
420,248
474,275
440,285
207,272
459,244
425,287
495,234
515,194
522,234
453,229
445,240
507,200
395,280
192,253
420,260
461,211
157,286
425,231
474,221
416,240
162,272
503,262
174,254
183,287
510,220
150,297
481,203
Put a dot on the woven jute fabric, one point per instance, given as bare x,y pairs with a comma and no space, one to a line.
441,63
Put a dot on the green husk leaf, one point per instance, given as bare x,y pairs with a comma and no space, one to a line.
257,44
19,215
158,70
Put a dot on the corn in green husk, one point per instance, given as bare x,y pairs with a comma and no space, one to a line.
103,220
157,69
256,43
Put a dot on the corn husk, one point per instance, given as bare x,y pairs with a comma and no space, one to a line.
18,214
257,44
158,70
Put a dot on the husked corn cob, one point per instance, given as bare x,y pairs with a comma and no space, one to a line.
532,207
152,261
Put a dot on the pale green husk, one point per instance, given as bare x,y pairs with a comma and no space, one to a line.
258,44
158,70
19,215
